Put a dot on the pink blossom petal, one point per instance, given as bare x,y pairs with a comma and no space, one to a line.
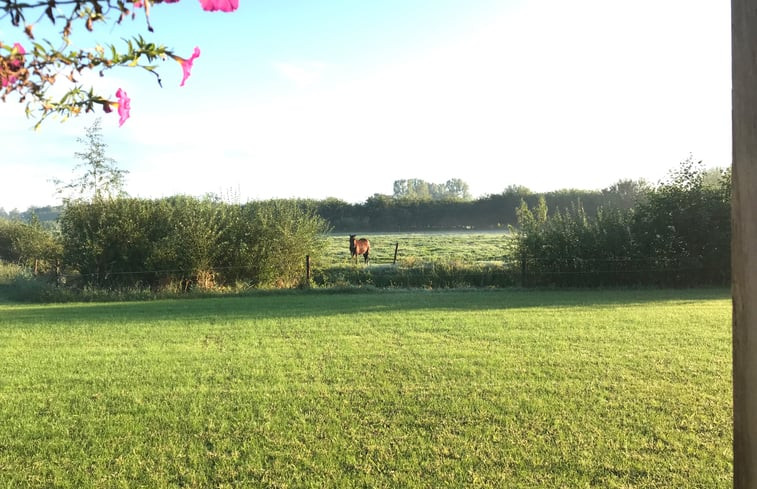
15,62
186,64
222,5
124,106
17,53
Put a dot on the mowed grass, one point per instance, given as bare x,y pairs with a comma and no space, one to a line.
488,388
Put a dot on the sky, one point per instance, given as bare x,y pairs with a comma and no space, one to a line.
338,98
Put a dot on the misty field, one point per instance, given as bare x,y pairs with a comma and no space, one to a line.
413,248
457,388
422,260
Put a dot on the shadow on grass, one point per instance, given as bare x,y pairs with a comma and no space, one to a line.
329,302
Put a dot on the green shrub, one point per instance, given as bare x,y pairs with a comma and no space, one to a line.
677,234
29,244
195,243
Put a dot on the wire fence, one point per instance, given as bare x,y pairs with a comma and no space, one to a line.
431,271
535,272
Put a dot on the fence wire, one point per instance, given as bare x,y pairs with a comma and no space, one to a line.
493,272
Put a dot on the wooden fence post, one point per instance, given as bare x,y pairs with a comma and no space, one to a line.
307,268
744,241
396,248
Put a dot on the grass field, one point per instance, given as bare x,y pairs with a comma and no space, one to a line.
487,388
413,248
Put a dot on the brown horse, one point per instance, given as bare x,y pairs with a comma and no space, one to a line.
359,247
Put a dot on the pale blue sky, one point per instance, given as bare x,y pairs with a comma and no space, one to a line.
340,98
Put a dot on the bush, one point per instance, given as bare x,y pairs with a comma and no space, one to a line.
677,234
10,271
28,244
202,243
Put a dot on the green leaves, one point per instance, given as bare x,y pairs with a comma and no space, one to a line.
677,233
47,61
205,242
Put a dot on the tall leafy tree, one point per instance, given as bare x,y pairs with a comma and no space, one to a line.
421,190
98,176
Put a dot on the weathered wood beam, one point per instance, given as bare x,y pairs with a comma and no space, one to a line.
744,241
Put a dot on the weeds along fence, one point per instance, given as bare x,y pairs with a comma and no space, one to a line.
426,275
433,272
20,283
621,271
529,272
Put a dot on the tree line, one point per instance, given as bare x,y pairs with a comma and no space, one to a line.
450,209
398,213
386,213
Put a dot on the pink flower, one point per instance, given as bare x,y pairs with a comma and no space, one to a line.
186,64
124,105
15,63
223,5
18,61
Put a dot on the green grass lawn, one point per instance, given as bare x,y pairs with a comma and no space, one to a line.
487,388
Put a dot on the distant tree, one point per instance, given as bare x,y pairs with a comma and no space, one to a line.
401,189
418,189
624,194
99,176
714,177
517,190
378,201
456,189
421,190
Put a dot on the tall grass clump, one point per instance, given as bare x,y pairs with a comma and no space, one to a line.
10,271
19,284
433,274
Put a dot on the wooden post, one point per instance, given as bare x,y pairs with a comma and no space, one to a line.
523,271
307,268
744,242
396,248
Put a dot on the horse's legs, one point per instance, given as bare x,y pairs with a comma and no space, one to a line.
365,257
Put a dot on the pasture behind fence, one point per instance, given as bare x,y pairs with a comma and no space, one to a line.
527,272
